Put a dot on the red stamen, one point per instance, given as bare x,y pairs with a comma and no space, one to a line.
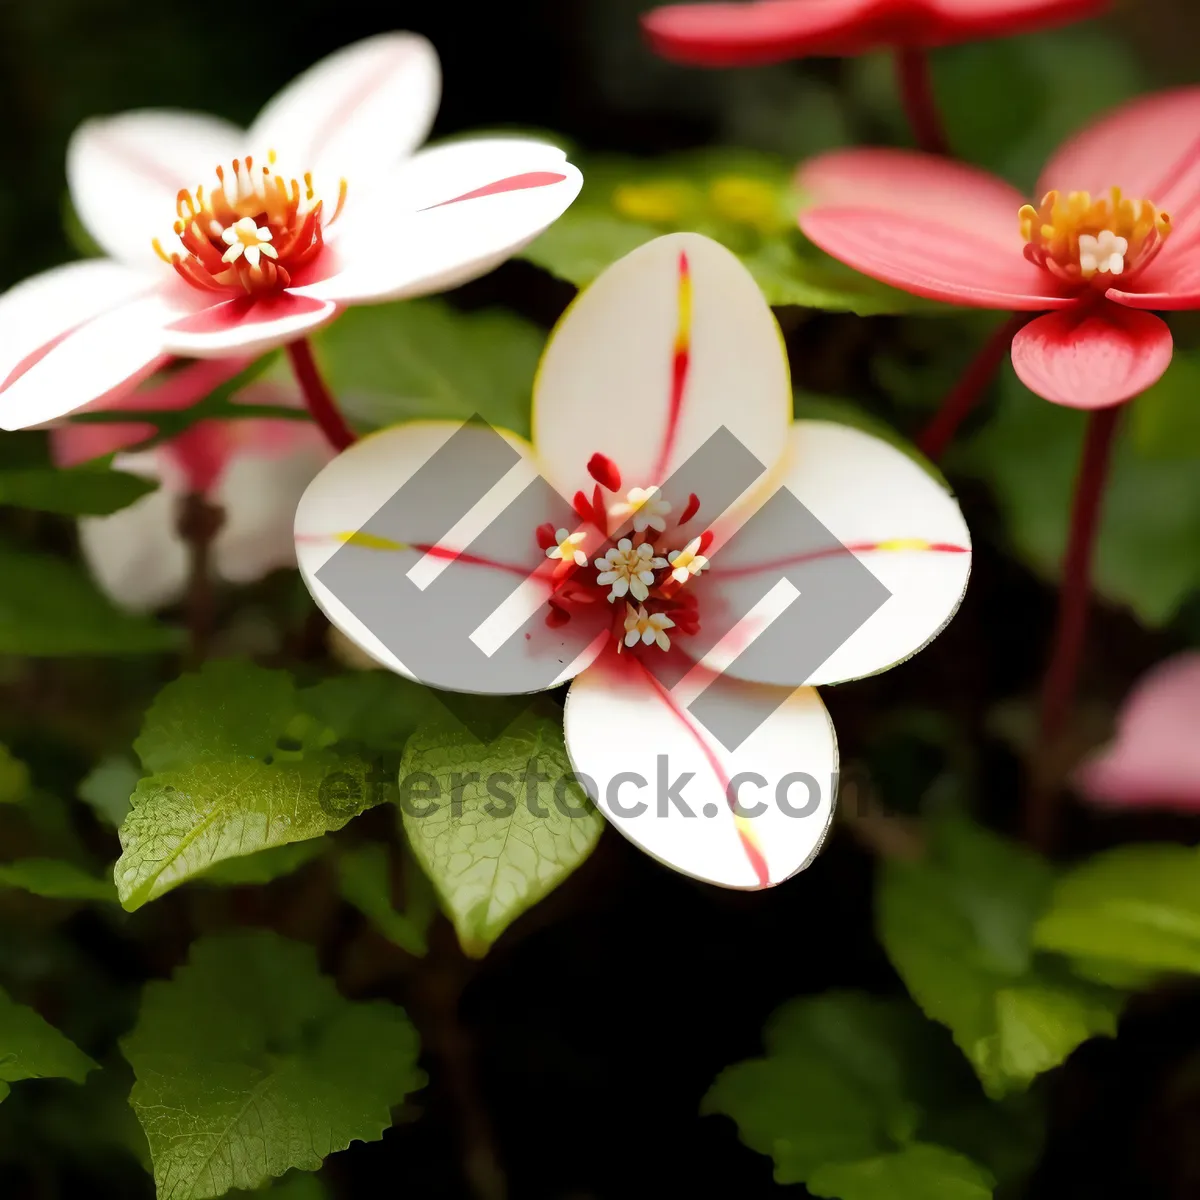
546,536
690,509
604,471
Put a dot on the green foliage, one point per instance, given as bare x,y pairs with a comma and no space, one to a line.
32,1049
494,837
49,608
1148,556
423,358
108,786
250,1063
235,766
1133,908
81,491
376,708
364,880
858,1095
55,880
958,927
265,865
742,199
14,778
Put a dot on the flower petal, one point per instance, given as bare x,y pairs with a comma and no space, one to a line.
355,113
939,262
259,491
448,215
1092,358
360,531
126,171
668,345
135,555
246,326
90,360
866,504
665,780
1148,148
935,190
1154,761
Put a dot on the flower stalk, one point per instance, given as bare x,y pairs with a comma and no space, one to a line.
920,101
317,397
199,523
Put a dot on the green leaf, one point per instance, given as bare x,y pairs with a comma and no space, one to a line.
377,708
364,880
741,198
56,880
1148,554
915,1173
250,1063
32,1049
1136,907
237,767
1164,423
958,927
49,608
293,1186
80,491
492,837
108,788
14,778
265,866
423,358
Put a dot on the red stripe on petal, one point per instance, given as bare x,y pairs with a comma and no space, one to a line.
681,361
514,183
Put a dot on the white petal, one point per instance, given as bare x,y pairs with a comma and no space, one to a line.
864,492
356,485
135,555
619,722
448,215
259,493
126,171
612,364
356,113
95,358
246,326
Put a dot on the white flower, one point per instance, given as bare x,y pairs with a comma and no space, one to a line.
602,375
646,508
226,242
648,628
569,547
687,562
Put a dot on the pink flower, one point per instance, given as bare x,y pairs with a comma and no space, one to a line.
254,470
766,31
1154,761
668,346
1092,256
227,242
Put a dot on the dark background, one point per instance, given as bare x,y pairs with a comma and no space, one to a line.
600,1020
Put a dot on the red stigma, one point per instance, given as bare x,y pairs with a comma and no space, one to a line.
604,471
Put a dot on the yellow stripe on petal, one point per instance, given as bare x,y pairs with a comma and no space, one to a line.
370,541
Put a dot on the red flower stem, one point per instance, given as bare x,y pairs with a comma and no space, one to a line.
1062,673
920,102
199,521
965,395
317,397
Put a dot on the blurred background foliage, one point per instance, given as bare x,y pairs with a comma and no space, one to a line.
600,1020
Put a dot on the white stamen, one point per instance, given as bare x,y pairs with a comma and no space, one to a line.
247,237
568,548
1103,255
686,562
645,506
627,568
648,628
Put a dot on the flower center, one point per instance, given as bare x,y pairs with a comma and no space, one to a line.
251,233
1086,241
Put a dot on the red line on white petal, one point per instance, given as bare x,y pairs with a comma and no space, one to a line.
681,357
753,853
514,183
793,560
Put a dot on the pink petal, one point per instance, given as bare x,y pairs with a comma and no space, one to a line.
356,113
450,214
633,741
1094,357
939,262
1170,284
1154,761
71,445
935,190
1149,148
126,171
247,325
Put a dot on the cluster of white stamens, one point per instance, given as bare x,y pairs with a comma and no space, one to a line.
1102,255
686,562
628,569
247,237
648,628
644,508
569,547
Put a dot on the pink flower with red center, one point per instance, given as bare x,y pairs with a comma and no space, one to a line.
253,471
767,31
1114,234
667,353
231,242
1154,760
